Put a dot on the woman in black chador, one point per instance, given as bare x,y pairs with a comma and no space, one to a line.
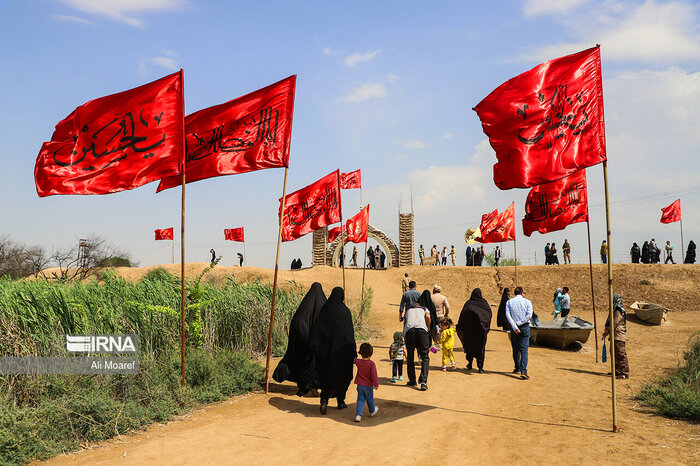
426,301
690,254
646,258
332,344
292,364
473,327
634,253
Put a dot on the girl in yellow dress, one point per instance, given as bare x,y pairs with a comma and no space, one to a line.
447,342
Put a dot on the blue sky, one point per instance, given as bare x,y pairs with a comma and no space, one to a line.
387,87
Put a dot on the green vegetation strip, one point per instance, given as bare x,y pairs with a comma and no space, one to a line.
678,394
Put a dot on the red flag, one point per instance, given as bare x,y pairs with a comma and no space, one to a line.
165,233
234,234
671,213
358,225
553,206
496,227
249,133
333,233
548,122
114,143
352,180
312,207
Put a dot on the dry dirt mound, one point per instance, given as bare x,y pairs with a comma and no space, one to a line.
561,415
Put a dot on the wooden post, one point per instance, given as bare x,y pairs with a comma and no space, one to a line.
245,255
362,295
172,255
610,300
515,253
682,252
342,228
182,236
590,266
274,283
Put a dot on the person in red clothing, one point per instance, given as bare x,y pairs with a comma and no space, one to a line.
366,381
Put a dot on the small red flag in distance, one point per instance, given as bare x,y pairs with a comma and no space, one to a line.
313,207
165,233
553,206
358,225
114,143
333,233
249,133
351,180
496,228
548,122
234,234
671,213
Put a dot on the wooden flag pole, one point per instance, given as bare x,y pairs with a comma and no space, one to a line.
590,266
682,253
342,227
182,236
245,255
610,300
172,255
362,295
274,283
515,253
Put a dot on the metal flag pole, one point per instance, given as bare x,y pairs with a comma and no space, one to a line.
590,266
274,283
610,299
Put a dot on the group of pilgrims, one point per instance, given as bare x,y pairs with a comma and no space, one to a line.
650,253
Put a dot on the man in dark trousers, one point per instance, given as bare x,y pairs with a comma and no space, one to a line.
416,323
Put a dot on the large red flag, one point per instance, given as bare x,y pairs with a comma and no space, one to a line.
249,133
358,225
234,234
114,143
548,122
165,233
312,207
671,213
351,180
553,206
496,227
333,233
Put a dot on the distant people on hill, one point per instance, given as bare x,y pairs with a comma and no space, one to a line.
421,254
546,254
566,249
690,254
622,367
382,258
453,255
604,252
469,255
213,255
354,256
481,255
654,252
444,255
669,253
296,264
370,258
377,258
646,256
341,259
473,328
635,253
553,258
404,283
496,256
434,254
240,259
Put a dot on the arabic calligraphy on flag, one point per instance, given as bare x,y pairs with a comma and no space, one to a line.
313,207
553,206
117,142
333,233
234,234
496,228
358,225
351,180
164,233
548,122
671,213
249,133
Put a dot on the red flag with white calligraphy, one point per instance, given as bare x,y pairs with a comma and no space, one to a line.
548,122
249,133
553,206
351,180
671,213
312,207
234,234
496,228
358,225
333,233
117,142
165,233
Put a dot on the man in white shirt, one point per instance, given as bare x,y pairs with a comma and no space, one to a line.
518,313
416,323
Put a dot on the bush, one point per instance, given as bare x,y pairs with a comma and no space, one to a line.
678,394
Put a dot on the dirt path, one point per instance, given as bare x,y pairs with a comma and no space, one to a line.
561,415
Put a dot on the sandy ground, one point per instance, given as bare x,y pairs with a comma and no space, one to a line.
561,415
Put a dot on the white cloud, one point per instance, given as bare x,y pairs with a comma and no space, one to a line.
540,7
651,32
124,11
414,144
168,60
366,91
165,62
355,58
330,51
448,136
72,19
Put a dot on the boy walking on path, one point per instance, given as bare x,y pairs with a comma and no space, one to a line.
366,381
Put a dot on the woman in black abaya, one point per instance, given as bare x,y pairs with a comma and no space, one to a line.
333,350
645,253
426,301
473,327
292,364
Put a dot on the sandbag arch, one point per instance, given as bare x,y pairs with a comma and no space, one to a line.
389,247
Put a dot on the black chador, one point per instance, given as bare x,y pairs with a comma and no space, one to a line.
473,327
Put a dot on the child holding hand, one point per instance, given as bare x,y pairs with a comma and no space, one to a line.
397,351
366,381
447,341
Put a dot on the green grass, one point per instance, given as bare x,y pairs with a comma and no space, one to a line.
678,394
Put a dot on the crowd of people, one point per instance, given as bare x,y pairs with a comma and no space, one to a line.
650,253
